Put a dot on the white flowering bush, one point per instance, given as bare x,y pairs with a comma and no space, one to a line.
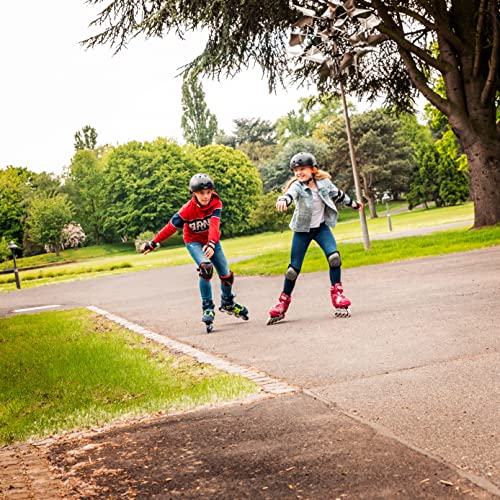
72,235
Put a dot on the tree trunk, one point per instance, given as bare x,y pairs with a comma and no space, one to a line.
484,167
372,208
370,196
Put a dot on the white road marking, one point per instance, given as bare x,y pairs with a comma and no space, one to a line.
36,308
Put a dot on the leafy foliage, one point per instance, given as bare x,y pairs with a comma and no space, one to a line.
47,218
383,156
85,185
237,182
436,178
145,185
404,63
86,138
276,172
198,123
12,209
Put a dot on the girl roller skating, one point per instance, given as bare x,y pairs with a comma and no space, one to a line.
315,213
200,220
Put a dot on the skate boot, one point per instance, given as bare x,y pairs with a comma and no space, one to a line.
340,303
277,312
208,314
229,306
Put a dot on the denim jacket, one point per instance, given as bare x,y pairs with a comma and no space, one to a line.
301,194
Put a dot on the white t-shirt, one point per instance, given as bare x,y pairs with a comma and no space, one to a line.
318,209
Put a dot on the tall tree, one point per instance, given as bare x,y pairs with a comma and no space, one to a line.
276,172
383,154
86,138
86,189
46,220
145,184
402,63
304,121
13,182
199,125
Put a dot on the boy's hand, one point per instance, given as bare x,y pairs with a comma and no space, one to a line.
281,206
209,250
359,206
147,247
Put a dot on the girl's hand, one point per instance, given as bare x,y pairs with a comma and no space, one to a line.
281,206
208,251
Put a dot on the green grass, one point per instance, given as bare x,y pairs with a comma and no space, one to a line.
106,260
382,251
69,370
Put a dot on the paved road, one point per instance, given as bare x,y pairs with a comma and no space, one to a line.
419,360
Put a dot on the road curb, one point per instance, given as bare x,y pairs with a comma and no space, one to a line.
268,384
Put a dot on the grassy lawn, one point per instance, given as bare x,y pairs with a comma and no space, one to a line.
354,254
70,370
105,260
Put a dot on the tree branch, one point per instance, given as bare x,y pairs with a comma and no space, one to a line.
495,50
477,39
420,81
390,28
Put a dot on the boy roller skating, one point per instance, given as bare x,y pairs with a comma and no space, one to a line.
315,213
200,220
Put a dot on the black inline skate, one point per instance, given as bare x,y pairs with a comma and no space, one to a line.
229,306
208,314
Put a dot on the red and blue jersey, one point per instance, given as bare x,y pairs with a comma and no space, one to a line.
199,223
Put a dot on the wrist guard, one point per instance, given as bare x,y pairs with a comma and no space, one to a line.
150,245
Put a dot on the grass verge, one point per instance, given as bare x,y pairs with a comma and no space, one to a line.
382,251
106,260
69,370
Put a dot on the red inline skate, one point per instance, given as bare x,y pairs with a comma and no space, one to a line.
339,302
277,312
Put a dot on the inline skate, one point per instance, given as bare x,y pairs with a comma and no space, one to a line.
208,314
277,312
229,306
339,301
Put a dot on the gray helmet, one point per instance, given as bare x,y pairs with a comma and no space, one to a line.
303,160
201,181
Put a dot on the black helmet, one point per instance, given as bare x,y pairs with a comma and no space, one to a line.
200,181
303,160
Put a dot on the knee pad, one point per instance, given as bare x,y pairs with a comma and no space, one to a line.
291,273
228,280
206,270
334,260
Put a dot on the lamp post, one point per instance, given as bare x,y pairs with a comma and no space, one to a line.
385,199
13,247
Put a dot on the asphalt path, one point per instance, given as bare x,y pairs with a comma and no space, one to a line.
418,361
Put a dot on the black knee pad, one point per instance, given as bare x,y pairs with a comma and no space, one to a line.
334,260
292,273
206,270
228,280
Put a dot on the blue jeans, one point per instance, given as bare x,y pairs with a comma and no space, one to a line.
219,261
300,243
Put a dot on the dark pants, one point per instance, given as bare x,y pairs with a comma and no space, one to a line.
300,243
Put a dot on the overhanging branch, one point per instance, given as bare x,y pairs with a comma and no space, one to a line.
390,28
495,50
477,38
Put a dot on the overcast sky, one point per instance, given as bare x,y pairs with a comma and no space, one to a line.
51,87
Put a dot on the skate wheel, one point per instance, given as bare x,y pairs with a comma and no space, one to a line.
272,320
244,317
343,313
209,327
